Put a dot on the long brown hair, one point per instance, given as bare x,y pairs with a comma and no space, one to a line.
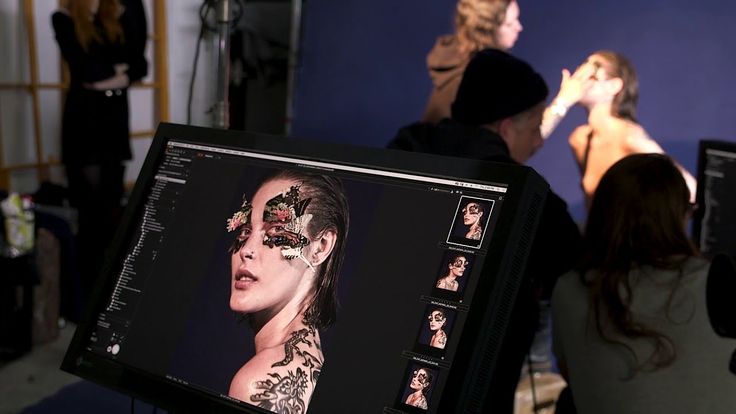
84,27
637,218
625,101
476,22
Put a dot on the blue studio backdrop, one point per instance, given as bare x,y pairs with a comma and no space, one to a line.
362,71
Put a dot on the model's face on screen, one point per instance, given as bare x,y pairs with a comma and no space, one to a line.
419,379
436,320
457,267
265,278
471,214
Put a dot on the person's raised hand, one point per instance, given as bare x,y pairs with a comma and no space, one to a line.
574,86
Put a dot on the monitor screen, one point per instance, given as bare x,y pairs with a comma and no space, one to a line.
714,222
255,273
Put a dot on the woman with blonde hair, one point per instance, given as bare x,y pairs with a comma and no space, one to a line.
479,24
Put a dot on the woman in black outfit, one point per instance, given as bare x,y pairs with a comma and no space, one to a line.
103,46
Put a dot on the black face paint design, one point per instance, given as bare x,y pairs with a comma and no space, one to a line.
286,222
460,262
438,317
471,208
421,376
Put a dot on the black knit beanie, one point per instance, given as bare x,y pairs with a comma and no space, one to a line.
495,86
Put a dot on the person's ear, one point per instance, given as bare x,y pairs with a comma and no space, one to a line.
505,129
323,246
614,85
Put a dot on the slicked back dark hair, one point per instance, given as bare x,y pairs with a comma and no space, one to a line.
330,212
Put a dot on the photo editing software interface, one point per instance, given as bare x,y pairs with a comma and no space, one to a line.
716,225
407,262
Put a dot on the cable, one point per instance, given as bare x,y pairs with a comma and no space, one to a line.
132,405
204,10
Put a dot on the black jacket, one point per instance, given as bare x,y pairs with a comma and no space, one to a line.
554,251
95,124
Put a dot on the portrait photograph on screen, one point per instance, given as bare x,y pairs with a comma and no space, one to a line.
419,382
454,271
471,221
436,329
247,280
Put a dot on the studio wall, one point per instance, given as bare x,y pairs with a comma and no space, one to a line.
362,69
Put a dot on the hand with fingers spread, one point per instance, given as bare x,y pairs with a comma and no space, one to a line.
572,88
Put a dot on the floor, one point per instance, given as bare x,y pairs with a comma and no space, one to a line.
36,375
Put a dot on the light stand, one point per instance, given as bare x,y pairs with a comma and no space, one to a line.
221,109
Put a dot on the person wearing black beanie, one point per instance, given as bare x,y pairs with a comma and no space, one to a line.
500,96
496,116
496,85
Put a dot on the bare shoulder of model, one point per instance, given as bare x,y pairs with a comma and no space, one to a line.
579,135
578,140
639,141
283,375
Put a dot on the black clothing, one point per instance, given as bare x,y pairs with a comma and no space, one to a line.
95,134
720,290
494,86
452,139
95,123
554,251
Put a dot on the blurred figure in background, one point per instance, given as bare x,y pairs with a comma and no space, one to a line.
103,44
479,24
482,24
612,131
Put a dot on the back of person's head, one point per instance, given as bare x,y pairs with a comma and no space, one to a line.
504,94
476,23
637,218
625,101
496,85
638,214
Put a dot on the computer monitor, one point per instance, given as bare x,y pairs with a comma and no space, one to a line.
714,222
225,230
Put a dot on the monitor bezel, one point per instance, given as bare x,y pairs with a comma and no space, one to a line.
699,215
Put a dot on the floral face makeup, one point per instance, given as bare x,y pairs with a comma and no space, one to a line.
285,221
240,219
436,320
419,379
471,213
457,267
